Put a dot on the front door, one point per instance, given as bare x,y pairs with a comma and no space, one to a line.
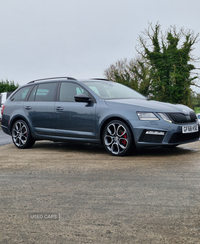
74,119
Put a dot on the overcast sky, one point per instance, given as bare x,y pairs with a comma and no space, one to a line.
81,38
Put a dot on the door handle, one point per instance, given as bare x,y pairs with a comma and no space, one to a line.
28,107
59,109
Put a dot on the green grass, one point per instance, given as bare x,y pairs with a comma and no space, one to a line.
197,110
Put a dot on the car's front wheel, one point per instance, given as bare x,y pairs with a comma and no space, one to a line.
117,138
21,135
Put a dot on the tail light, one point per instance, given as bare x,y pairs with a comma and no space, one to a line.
2,109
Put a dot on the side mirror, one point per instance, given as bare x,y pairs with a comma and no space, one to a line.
82,98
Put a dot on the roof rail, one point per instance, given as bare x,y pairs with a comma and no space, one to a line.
99,79
52,78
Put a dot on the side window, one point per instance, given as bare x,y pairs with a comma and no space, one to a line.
69,90
44,92
20,95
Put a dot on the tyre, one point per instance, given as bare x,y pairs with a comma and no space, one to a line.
21,135
117,138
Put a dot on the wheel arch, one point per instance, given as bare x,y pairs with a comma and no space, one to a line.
19,117
115,118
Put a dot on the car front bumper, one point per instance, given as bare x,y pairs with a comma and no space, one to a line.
161,133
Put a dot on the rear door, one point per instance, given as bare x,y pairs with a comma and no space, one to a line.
40,108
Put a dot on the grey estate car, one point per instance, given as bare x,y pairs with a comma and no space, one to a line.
94,111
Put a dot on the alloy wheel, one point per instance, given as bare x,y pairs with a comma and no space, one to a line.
117,138
21,135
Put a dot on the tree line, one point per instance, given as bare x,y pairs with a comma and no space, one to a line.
8,86
164,67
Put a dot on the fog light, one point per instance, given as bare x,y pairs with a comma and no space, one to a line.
153,132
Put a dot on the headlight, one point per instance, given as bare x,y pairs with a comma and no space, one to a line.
147,116
165,117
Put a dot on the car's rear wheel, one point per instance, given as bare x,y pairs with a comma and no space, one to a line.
21,135
117,138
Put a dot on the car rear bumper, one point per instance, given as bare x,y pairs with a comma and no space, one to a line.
5,129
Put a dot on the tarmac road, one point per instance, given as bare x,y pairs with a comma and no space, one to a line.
62,193
4,138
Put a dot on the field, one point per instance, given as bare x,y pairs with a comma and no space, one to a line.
197,110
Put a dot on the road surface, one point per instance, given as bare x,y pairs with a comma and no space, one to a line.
60,193
4,138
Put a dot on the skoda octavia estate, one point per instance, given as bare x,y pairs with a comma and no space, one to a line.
94,111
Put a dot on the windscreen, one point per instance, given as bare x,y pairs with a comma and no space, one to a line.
112,90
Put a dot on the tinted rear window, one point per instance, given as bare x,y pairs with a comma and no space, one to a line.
43,92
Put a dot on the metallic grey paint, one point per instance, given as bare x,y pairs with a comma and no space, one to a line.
85,121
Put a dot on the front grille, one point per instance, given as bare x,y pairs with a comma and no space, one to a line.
182,118
179,137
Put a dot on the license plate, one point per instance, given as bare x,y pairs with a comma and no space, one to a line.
190,128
